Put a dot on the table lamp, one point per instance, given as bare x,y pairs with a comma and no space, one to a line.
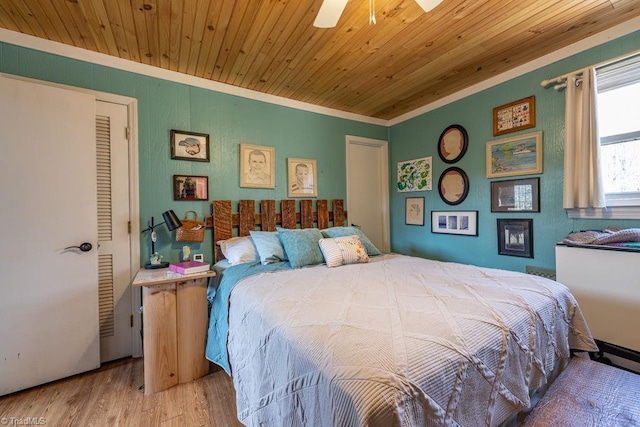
172,222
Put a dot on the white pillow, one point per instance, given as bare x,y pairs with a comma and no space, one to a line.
343,250
239,250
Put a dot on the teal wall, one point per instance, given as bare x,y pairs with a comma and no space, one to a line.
229,120
418,138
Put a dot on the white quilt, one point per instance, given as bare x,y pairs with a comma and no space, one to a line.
400,341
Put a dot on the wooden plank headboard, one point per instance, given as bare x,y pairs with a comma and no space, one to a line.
247,219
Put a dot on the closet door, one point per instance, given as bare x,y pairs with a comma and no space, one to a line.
48,289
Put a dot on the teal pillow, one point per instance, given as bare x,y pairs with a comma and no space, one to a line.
269,246
353,231
301,246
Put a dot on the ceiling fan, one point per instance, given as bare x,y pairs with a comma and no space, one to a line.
330,11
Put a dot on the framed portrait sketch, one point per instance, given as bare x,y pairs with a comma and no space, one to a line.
516,195
257,166
517,115
515,237
453,143
520,155
189,146
302,177
190,187
414,211
455,222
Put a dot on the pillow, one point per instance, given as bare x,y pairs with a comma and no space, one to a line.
238,250
343,250
301,246
352,231
269,246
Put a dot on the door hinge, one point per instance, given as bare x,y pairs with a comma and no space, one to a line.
132,320
127,132
129,226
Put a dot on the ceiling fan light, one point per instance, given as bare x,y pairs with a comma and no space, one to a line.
329,13
427,5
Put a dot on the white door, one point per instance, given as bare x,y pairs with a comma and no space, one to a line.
48,294
368,188
114,271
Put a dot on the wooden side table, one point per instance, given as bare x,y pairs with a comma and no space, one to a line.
175,327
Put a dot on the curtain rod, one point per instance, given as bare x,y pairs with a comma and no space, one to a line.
560,81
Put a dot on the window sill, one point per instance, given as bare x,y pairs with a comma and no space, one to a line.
611,212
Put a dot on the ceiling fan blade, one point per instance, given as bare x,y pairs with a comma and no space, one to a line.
329,13
427,5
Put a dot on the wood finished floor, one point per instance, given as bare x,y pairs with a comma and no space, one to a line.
111,396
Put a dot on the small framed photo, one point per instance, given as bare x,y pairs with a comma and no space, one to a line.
257,166
516,195
414,211
455,222
302,177
515,237
517,115
189,146
190,187
520,155
453,143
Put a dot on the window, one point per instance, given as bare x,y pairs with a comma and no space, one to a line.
619,128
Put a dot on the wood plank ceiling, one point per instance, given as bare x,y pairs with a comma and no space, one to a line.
407,60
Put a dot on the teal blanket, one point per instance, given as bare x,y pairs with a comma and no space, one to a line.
216,350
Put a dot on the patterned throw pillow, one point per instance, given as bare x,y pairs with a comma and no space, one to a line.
343,250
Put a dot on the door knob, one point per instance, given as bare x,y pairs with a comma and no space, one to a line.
84,247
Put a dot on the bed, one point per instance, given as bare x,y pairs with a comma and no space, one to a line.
384,339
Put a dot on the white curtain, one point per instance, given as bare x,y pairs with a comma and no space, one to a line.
583,186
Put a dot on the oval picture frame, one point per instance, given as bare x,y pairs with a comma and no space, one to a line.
453,143
453,186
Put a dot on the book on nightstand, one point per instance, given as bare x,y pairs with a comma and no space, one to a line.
190,267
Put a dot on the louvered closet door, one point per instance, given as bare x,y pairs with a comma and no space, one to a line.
113,231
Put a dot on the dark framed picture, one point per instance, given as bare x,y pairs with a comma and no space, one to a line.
190,187
453,143
453,186
455,222
414,211
516,195
302,177
515,237
517,115
189,146
257,166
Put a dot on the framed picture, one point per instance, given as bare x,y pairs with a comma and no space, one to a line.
453,143
414,175
414,211
520,155
190,187
453,186
517,115
189,146
515,237
455,222
516,195
257,166
302,177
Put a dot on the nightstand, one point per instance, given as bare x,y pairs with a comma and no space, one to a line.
175,327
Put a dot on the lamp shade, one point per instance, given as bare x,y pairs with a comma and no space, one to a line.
171,219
